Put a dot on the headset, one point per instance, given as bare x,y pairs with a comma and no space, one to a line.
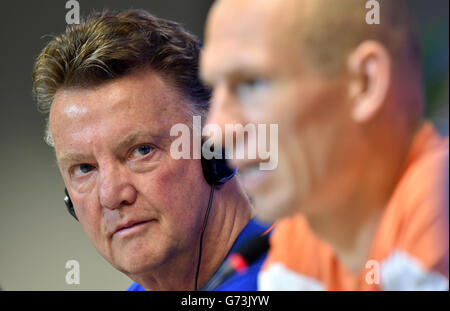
216,173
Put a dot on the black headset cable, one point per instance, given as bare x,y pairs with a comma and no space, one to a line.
205,221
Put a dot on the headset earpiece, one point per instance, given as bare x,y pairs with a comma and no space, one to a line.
69,204
217,171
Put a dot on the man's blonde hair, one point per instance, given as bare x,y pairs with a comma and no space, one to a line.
110,45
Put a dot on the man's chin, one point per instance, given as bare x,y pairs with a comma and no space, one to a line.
134,265
272,206
132,260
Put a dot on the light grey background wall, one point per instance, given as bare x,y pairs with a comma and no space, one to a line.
37,235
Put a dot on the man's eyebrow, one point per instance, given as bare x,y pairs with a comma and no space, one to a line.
72,157
135,137
237,68
243,72
129,140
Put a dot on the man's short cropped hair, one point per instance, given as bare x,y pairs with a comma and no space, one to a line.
109,45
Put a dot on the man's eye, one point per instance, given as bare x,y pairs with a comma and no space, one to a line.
250,87
142,150
83,169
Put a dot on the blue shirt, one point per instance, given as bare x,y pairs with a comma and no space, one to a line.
244,281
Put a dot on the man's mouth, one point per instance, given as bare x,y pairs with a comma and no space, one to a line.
131,227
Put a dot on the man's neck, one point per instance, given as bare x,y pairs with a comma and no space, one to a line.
230,213
348,214
349,233
233,211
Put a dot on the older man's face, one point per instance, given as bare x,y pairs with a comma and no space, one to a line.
253,59
139,206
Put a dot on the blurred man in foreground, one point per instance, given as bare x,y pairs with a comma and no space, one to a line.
113,87
362,179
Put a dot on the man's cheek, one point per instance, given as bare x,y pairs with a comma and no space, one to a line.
179,178
92,224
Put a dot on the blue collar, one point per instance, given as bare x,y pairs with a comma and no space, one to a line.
251,230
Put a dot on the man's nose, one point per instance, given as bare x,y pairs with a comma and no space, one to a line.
224,110
115,189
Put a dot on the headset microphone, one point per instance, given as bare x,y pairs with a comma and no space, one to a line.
239,261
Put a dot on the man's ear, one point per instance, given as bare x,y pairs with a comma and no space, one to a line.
370,70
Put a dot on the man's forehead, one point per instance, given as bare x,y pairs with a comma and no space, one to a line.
115,109
235,37
249,33
242,18
145,92
248,15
